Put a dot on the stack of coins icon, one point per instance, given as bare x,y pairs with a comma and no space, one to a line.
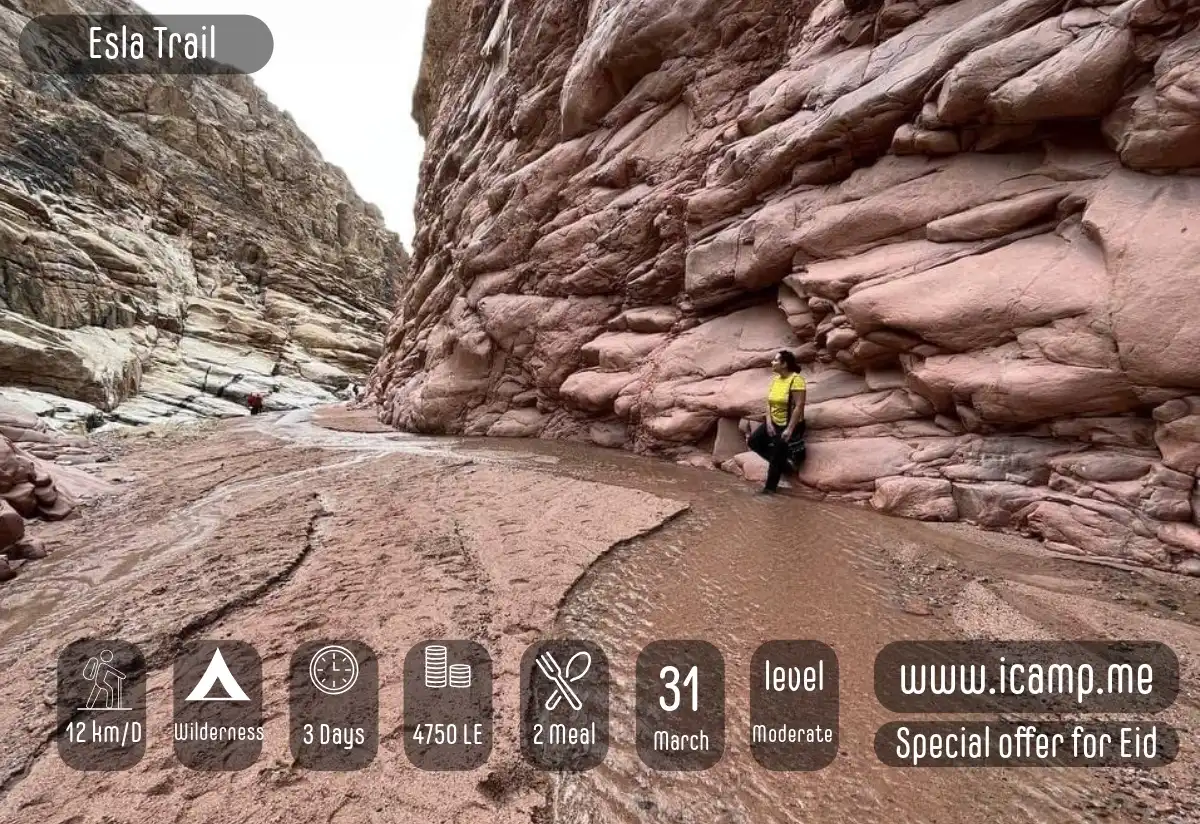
435,666
460,675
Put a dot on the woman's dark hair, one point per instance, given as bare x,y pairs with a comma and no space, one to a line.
789,360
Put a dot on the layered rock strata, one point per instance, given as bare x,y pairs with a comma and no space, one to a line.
169,245
977,222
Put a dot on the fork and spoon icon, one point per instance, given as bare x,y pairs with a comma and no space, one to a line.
563,678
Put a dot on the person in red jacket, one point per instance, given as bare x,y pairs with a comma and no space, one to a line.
255,402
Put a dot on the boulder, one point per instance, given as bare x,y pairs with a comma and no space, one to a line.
1085,79
1102,466
741,394
1001,389
44,496
910,140
1165,504
834,279
594,391
731,441
611,435
1183,537
1149,242
24,498
730,343
697,462
996,219
15,467
30,549
845,465
647,319
62,508
621,351
1156,126
1101,430
976,302
1013,459
926,499
518,423
1188,565
1063,523
747,465
964,93
1179,442
866,409
12,526
998,505
1071,341
680,425
825,383
964,182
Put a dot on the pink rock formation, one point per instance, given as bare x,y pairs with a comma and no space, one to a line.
26,491
976,222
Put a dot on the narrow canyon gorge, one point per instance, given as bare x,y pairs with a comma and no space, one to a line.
169,245
975,222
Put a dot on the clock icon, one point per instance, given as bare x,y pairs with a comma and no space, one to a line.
333,670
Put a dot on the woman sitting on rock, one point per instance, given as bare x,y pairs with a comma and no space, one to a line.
780,438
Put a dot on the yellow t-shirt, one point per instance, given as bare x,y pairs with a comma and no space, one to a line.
777,396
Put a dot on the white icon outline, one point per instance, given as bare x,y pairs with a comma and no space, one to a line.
439,673
106,682
316,681
217,670
550,668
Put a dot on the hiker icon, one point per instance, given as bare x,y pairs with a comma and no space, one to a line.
106,683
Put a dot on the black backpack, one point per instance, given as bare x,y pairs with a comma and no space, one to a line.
796,448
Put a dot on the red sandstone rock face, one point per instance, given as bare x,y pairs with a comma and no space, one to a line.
27,490
977,222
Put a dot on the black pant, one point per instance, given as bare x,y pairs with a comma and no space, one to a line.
774,450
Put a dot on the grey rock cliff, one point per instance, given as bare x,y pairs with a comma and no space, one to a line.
169,245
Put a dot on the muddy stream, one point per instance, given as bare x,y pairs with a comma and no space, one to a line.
734,569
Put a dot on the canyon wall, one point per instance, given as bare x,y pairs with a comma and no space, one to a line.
976,222
171,244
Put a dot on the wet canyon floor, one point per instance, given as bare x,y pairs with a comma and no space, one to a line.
283,529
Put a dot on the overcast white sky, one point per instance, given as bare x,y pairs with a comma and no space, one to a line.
346,73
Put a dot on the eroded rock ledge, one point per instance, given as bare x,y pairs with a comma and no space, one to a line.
977,222
27,490
170,245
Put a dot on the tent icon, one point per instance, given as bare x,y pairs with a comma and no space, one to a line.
217,671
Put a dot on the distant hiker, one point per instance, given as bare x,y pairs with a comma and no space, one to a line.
255,402
780,438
